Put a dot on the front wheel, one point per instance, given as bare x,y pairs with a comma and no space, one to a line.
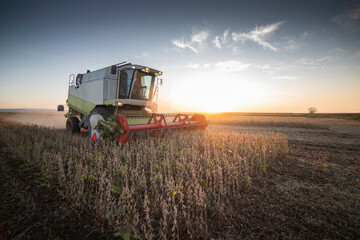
72,125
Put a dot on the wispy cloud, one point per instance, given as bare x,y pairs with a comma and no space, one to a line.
258,35
237,66
349,19
269,69
182,44
226,66
198,66
293,42
199,37
314,61
339,51
143,55
193,65
196,43
283,78
219,41
231,66
229,40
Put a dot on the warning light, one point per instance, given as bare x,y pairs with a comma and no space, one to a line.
93,139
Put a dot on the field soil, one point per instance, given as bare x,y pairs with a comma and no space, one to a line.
313,193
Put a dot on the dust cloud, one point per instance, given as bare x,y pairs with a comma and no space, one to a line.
46,119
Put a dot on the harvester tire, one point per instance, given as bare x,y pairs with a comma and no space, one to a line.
72,125
104,112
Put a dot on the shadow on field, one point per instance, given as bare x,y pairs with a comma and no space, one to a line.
313,194
31,208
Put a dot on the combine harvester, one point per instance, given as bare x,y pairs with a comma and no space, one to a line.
119,100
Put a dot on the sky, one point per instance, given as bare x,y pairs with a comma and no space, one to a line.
217,56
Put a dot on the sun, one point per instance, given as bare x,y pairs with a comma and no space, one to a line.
216,93
204,101
213,106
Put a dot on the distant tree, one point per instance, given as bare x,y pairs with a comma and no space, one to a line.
312,110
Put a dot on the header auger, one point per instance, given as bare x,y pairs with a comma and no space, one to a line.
157,125
119,100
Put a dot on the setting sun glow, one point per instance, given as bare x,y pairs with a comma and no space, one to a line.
209,94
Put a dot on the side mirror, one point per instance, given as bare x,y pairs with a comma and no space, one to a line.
60,108
78,80
113,69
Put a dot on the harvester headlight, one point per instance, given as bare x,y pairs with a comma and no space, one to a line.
147,70
118,103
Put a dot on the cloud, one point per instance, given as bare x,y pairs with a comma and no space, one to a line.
198,66
293,43
199,37
270,69
235,50
183,45
349,19
338,51
284,78
193,65
314,61
219,67
238,66
230,40
258,35
196,43
231,66
219,41
143,55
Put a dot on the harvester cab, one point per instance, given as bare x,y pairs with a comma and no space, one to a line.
121,99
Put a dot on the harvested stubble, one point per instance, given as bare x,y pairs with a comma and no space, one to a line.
290,122
168,188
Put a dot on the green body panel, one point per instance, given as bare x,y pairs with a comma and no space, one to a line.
108,102
135,120
144,120
80,105
85,107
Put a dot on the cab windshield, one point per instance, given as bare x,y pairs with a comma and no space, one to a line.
135,84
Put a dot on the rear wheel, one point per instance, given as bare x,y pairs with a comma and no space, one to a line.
72,125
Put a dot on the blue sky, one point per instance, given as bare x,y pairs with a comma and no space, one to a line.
257,56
